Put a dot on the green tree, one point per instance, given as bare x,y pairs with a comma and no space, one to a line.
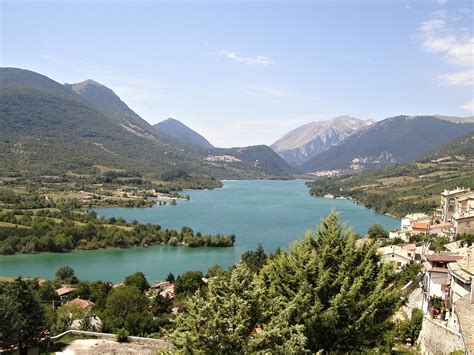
338,292
189,282
170,278
376,231
27,319
120,303
138,280
255,260
10,322
160,305
225,319
66,274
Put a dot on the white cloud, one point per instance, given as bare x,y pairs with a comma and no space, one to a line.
432,25
456,45
261,60
266,90
462,78
441,2
468,106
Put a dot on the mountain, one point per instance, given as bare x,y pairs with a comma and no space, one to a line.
398,139
177,130
463,146
260,158
47,128
407,188
108,103
303,143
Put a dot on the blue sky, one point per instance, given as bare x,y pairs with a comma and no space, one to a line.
243,73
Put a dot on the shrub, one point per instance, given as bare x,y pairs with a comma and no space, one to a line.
122,335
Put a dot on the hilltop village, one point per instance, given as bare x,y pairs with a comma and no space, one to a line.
441,244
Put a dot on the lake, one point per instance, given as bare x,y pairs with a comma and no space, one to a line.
273,213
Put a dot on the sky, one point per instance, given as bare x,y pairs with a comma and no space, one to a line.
246,72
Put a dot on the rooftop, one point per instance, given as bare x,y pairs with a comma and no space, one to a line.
457,190
443,258
64,290
419,225
465,310
82,304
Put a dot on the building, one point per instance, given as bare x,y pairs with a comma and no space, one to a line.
461,275
435,282
406,222
398,255
448,202
457,208
83,305
64,292
464,314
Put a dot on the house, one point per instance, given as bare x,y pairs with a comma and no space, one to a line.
418,228
457,208
461,274
448,202
397,255
435,282
406,222
83,305
463,223
441,229
64,292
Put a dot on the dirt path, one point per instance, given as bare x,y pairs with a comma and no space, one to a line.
100,346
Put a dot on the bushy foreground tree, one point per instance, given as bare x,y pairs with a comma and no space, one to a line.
323,294
22,322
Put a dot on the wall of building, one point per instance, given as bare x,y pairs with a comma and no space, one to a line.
436,338
436,281
464,225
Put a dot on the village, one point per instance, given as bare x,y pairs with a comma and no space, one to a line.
443,289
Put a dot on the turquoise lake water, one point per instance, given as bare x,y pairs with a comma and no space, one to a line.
273,213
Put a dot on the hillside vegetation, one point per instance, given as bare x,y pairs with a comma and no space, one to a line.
407,188
51,129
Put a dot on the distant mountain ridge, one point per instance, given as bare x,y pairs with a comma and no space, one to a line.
303,143
108,103
50,129
179,131
399,139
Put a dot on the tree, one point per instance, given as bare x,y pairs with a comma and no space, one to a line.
416,323
47,293
66,274
25,314
10,322
255,260
170,278
339,293
189,282
225,319
120,303
138,280
376,231
161,305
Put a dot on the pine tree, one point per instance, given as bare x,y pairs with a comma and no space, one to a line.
338,292
220,319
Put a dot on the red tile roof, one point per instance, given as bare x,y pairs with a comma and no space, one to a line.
419,225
